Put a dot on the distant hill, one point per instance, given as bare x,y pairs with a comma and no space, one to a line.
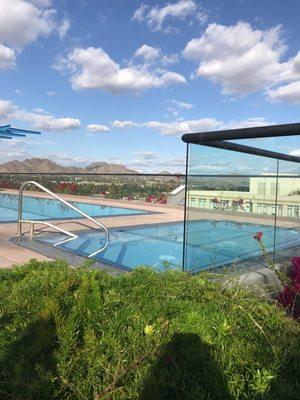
45,165
106,168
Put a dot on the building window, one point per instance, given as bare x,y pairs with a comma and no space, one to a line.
293,211
202,203
262,208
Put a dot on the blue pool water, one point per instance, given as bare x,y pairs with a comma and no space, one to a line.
209,244
42,209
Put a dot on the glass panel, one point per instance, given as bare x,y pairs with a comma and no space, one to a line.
288,211
230,197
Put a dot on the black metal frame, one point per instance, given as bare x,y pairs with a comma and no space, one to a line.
218,139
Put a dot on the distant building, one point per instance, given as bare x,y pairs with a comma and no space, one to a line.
259,199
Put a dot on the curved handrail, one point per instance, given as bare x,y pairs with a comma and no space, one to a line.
20,210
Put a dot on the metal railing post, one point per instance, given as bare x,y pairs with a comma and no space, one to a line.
20,208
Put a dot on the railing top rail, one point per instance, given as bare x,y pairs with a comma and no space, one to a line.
243,133
91,174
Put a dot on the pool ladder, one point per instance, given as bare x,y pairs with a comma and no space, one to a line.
71,235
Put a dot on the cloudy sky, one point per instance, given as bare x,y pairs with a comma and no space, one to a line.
121,81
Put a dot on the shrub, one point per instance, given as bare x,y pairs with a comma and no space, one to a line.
83,334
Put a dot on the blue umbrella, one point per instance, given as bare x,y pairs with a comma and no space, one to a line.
7,132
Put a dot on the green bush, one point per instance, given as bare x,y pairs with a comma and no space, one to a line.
82,334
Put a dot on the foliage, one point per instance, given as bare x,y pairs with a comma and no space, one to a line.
83,334
112,187
289,297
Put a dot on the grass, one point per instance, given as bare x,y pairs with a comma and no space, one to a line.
82,334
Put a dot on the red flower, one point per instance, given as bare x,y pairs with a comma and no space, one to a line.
296,262
295,273
258,236
288,299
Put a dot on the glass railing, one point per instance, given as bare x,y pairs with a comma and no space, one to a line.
231,197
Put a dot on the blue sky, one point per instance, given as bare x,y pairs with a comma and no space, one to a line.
121,81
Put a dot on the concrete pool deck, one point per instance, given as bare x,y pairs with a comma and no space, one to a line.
11,254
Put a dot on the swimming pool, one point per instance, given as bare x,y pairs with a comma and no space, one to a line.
42,209
211,243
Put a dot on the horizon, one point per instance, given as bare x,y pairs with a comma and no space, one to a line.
121,83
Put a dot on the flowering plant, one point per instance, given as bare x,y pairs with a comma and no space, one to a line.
258,236
289,297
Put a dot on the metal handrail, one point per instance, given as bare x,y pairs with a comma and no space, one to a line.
33,222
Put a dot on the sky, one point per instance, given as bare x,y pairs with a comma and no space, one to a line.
121,81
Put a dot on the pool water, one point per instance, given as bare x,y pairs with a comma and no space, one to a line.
42,209
210,244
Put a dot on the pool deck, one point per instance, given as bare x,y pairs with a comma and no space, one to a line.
11,254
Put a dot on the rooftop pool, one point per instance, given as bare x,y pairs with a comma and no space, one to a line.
37,208
210,244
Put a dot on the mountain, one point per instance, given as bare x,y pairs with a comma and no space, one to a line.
105,168
34,165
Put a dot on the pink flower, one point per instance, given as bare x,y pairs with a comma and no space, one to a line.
286,297
258,236
296,262
295,273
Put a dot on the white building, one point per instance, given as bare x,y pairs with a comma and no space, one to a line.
259,199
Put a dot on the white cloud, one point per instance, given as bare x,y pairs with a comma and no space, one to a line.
182,104
36,120
173,127
238,57
181,127
92,68
146,155
47,122
22,22
39,110
50,93
189,126
41,3
247,123
125,124
170,59
288,93
6,110
148,53
67,159
151,54
156,16
97,128
7,57
139,14
63,28
18,91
